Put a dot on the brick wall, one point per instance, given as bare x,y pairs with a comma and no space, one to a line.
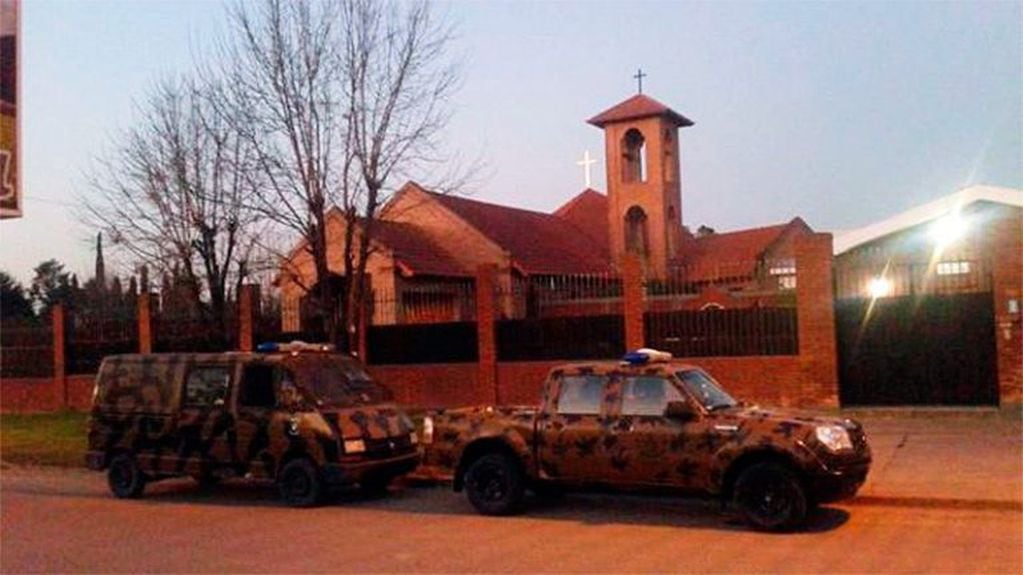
1004,242
26,395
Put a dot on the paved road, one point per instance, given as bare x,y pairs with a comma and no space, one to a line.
64,520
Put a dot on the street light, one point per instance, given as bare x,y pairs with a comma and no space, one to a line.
879,287
947,230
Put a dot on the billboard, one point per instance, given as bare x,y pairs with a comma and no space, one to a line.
10,191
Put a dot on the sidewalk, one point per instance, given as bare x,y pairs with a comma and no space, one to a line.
954,459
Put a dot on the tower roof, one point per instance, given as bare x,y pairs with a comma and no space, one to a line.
638,106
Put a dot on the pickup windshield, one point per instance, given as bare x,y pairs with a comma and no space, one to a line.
705,389
334,381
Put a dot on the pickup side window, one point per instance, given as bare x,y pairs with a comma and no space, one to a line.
581,394
206,386
647,395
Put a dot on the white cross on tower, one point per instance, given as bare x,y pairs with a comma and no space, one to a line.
586,162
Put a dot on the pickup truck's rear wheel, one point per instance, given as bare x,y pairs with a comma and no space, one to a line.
495,485
770,497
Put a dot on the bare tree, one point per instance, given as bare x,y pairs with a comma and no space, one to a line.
340,100
173,194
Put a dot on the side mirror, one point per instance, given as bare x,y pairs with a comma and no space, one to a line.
680,410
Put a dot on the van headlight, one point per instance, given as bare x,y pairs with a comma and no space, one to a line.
355,446
427,430
834,437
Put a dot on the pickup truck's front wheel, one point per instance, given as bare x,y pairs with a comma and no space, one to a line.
495,485
771,497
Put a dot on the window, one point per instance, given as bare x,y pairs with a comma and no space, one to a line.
635,231
953,268
207,386
647,395
705,389
785,270
581,394
257,389
633,157
787,282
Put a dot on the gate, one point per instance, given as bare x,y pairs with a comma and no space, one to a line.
936,349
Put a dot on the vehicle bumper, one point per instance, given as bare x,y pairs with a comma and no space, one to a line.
837,483
348,472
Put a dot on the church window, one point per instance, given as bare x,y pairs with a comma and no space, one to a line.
635,231
634,157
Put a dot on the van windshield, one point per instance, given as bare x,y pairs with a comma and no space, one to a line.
334,381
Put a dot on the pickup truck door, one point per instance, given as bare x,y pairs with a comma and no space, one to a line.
573,430
650,448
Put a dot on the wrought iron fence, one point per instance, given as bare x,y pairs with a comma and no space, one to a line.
724,332
192,332
26,347
96,333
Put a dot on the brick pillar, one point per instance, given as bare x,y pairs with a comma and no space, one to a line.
486,336
633,302
246,317
1004,238
818,351
144,314
59,349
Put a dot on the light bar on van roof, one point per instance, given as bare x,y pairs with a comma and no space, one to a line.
646,355
273,346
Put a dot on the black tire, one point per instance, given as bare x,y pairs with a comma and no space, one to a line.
206,480
495,484
124,477
300,484
770,497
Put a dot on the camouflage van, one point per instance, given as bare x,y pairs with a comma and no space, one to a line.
298,414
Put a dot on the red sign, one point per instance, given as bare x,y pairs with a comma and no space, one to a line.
10,192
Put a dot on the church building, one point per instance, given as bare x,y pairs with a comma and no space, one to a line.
427,246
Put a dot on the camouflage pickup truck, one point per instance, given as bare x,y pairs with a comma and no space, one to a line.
649,422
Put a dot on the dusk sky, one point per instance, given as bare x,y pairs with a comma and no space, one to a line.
842,113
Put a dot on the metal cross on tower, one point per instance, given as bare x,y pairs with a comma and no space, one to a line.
586,162
639,77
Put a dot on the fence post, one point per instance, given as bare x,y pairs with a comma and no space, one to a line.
632,301
815,301
246,315
59,374
486,339
145,322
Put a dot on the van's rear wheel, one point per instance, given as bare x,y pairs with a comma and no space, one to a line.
125,478
300,484
771,497
495,485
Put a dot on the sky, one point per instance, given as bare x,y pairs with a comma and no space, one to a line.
842,113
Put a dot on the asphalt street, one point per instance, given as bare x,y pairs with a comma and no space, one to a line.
56,520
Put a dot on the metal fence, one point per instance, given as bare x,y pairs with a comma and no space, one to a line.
26,347
94,334
724,332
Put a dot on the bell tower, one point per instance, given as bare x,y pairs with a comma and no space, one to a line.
644,180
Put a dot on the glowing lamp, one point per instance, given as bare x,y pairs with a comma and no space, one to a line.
948,229
879,287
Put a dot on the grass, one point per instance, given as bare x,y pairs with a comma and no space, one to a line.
43,438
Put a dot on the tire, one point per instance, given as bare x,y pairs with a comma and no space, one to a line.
300,484
206,480
124,477
770,497
495,485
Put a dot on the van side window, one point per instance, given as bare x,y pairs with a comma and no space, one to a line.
257,389
207,386
581,394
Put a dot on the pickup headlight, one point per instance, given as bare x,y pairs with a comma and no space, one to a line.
834,437
427,430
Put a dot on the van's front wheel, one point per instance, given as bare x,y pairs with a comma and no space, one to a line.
125,478
300,483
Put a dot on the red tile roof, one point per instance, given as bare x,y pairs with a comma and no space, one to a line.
588,212
731,254
538,243
638,106
415,251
